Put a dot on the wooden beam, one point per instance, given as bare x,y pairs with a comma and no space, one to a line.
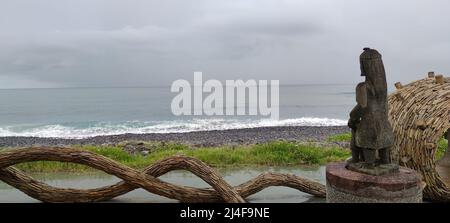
440,79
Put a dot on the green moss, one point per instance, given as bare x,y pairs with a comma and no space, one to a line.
278,153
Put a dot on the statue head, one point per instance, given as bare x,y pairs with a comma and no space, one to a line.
366,56
373,69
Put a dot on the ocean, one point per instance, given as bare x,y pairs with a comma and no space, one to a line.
87,112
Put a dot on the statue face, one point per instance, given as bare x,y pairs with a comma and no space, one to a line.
363,73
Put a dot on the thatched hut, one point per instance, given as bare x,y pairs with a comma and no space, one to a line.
420,116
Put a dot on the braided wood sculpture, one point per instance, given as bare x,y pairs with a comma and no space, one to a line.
420,116
147,179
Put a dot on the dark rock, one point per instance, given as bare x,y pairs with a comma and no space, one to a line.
136,148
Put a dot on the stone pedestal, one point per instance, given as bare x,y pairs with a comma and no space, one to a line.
345,186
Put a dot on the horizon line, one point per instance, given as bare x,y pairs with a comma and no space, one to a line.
153,86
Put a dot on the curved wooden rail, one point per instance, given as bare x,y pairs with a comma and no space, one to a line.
220,190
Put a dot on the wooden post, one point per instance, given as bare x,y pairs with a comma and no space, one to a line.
440,79
431,74
398,85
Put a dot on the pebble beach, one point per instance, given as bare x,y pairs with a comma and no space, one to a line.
200,138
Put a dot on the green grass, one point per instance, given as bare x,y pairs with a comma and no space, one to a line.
278,153
345,137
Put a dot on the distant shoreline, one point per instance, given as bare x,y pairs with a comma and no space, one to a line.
200,138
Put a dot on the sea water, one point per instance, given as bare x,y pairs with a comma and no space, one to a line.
86,112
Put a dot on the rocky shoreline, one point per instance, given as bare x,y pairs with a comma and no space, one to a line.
202,138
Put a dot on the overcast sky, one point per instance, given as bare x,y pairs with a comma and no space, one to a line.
61,43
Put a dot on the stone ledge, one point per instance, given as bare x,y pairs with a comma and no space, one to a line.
373,195
344,185
341,177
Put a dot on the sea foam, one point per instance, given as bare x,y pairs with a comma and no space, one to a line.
142,127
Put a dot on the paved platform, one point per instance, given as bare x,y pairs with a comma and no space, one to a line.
346,186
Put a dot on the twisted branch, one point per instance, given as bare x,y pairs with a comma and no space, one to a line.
221,191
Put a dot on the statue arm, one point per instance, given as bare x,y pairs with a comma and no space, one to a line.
355,116
361,94
361,99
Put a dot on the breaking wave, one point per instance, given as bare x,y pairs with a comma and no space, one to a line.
85,130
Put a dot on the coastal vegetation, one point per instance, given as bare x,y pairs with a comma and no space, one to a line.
346,137
276,153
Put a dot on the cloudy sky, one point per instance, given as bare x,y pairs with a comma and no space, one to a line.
80,43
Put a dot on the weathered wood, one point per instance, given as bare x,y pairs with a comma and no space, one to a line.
440,79
133,179
421,124
420,117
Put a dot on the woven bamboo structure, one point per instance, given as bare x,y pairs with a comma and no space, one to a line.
420,116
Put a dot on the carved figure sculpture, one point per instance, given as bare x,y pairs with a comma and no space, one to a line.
372,134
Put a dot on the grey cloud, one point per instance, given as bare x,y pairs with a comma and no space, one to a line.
112,43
